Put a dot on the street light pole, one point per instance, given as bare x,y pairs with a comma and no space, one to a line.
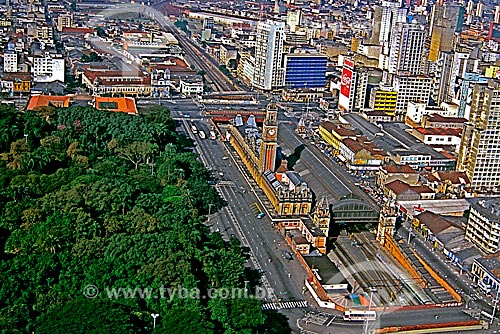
154,315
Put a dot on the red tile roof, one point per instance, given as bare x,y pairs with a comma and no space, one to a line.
117,104
361,143
77,31
339,129
454,177
402,169
444,119
457,132
47,100
399,187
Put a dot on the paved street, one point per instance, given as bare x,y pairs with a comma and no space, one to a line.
473,298
284,277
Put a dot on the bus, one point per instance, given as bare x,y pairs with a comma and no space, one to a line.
359,315
194,129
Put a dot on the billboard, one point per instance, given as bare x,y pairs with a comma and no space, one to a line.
346,80
348,63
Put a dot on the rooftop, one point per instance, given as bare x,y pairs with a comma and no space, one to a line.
440,207
117,104
440,131
489,207
329,274
401,169
443,119
48,100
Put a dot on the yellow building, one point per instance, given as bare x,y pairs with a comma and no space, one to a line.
384,100
286,190
491,71
333,134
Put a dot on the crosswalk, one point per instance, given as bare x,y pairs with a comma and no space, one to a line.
284,305
255,208
225,183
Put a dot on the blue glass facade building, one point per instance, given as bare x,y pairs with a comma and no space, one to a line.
305,71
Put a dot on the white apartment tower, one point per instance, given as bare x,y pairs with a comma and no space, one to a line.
407,49
392,13
410,89
269,72
48,68
10,61
479,154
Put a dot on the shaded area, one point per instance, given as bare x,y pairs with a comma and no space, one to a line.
294,157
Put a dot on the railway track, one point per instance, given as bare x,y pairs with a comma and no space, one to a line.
218,80
368,275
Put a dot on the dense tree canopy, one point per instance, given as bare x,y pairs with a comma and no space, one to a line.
92,202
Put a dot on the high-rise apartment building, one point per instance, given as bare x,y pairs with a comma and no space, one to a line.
479,154
269,72
410,88
407,49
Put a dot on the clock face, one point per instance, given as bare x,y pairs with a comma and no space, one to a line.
271,132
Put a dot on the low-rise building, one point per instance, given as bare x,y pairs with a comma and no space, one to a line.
38,101
486,272
189,85
392,172
19,82
361,154
333,134
401,191
116,83
438,136
116,104
439,121
451,183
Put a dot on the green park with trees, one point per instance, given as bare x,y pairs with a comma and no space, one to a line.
114,201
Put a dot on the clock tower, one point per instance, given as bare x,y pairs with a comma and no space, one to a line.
267,156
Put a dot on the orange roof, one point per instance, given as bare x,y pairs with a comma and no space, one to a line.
440,131
401,169
48,100
77,30
118,104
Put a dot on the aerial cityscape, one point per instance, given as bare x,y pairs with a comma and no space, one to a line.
277,166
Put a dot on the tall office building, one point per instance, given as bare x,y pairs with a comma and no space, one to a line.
479,154
479,9
410,88
269,72
305,70
392,13
407,49
446,83
446,20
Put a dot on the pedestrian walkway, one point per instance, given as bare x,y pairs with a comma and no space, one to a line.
284,305
225,183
